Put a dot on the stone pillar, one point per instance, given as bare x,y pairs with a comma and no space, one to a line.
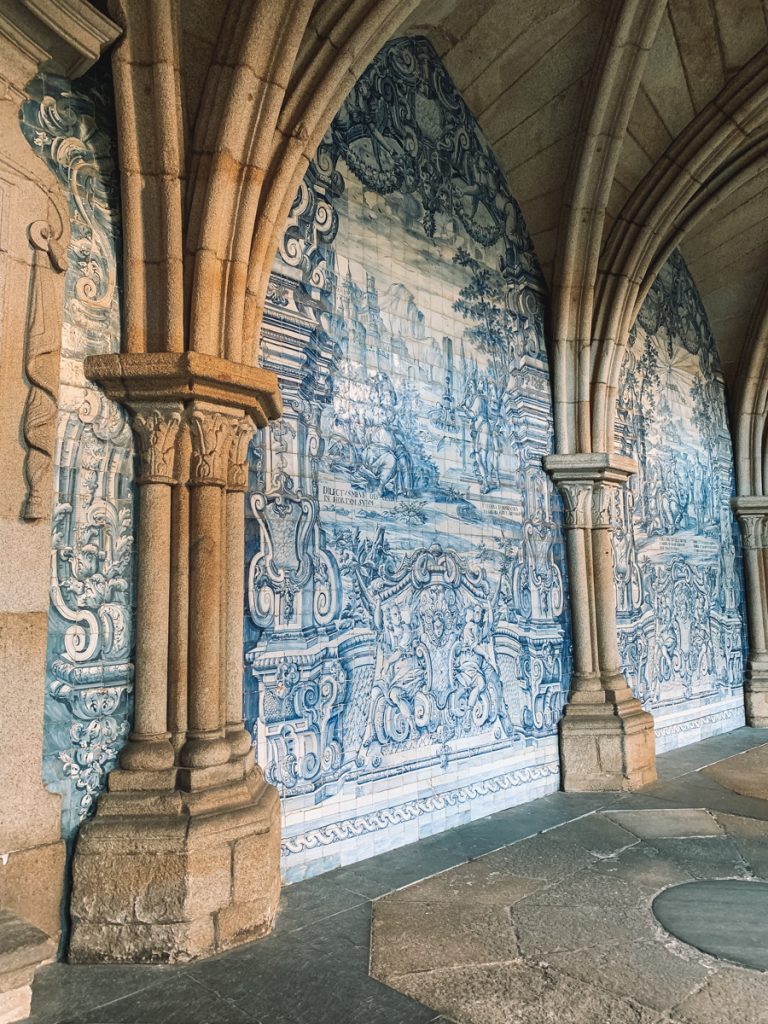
211,436
184,861
149,747
607,741
752,513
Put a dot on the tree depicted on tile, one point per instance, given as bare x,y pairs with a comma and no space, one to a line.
677,551
90,639
407,654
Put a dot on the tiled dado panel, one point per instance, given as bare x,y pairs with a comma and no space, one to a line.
89,670
406,641
676,551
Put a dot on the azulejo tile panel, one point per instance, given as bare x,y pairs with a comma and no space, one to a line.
89,669
407,653
677,552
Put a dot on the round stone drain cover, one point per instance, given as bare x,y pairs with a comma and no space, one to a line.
726,918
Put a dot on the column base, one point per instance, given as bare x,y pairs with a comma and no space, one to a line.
756,694
607,746
167,877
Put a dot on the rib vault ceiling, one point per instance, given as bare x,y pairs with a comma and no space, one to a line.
523,68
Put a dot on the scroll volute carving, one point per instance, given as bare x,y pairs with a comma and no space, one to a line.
41,366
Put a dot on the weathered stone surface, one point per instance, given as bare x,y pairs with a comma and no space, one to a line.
655,974
669,824
745,773
732,994
543,930
715,857
183,886
539,858
410,937
596,833
473,883
517,993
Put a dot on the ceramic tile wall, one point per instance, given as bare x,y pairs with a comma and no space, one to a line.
89,671
406,652
677,553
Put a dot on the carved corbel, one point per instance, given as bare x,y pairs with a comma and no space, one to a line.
41,366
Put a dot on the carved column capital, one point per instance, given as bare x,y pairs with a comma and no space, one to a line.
754,528
211,433
237,472
577,503
603,493
156,428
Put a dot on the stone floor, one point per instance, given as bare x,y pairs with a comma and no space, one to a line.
539,913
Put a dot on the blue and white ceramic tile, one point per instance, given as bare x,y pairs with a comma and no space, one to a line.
89,670
406,642
677,552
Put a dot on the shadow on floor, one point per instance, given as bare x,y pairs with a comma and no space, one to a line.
314,968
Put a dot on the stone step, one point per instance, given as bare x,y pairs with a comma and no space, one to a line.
23,948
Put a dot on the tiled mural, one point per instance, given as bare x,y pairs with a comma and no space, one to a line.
89,670
406,642
676,553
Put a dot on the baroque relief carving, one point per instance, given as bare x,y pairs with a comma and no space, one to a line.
41,366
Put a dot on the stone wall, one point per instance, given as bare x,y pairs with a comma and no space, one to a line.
407,654
677,557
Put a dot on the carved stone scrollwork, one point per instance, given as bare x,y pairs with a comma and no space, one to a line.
211,436
577,498
41,366
156,429
237,475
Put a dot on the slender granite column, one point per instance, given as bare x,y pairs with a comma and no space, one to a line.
237,484
149,747
752,513
211,435
607,741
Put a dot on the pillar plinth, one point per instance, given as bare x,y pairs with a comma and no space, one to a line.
752,514
607,740
182,858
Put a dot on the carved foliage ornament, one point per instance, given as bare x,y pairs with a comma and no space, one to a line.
211,435
156,430
577,504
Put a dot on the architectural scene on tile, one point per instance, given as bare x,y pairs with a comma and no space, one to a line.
408,645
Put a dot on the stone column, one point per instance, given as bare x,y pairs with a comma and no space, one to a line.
149,746
192,850
752,513
237,484
211,436
607,741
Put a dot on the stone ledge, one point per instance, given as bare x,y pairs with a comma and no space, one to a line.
23,948
139,378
